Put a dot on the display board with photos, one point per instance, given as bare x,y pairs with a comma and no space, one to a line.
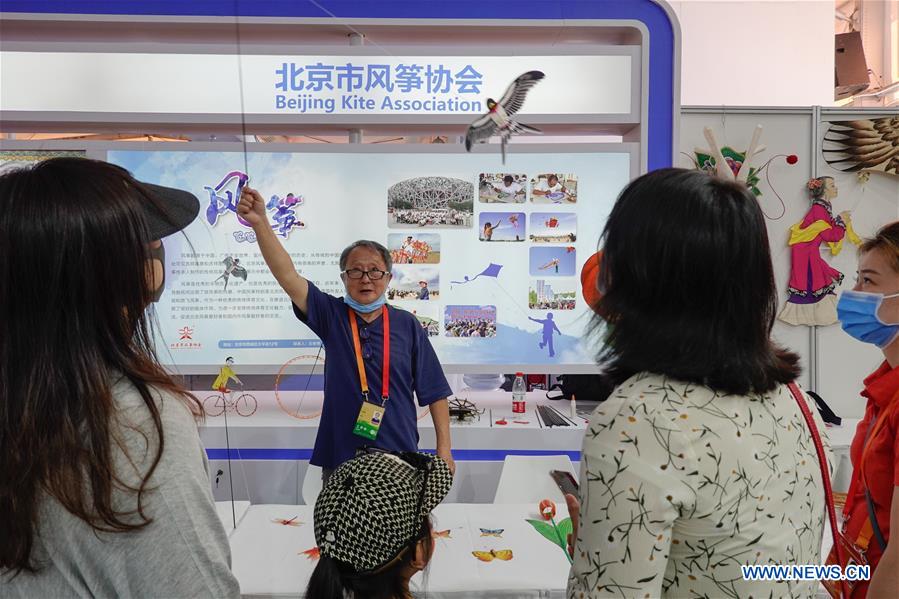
486,256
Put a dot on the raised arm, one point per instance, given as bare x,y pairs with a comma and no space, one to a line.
252,209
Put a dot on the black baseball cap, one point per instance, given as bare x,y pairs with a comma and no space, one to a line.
171,212
166,210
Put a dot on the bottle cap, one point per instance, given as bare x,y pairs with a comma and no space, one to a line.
519,374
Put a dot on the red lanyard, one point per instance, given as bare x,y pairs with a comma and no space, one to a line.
385,372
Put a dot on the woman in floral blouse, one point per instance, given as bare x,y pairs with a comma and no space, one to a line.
700,461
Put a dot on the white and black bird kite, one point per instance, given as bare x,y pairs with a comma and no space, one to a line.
498,121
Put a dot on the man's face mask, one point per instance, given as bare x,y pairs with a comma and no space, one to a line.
158,254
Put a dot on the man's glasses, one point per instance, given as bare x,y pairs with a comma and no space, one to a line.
366,346
373,275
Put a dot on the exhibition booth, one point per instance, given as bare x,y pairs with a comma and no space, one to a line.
488,247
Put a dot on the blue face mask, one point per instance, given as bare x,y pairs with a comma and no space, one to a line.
857,312
365,308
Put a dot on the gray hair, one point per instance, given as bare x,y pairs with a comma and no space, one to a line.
365,243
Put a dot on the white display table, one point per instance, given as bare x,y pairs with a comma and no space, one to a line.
296,413
268,560
270,449
231,516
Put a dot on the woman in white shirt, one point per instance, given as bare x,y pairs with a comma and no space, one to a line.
104,490
700,461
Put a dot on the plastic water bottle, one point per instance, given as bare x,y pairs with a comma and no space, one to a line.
518,394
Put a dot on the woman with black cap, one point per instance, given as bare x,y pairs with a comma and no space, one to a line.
103,485
373,526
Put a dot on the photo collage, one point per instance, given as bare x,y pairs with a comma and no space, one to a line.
550,232
416,275
535,210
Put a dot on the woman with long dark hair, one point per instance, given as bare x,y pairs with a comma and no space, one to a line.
700,460
373,525
103,487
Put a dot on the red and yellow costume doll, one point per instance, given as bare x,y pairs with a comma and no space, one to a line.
812,280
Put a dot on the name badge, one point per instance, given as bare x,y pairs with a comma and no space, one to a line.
368,423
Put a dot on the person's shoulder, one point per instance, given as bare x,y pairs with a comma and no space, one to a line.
637,386
322,296
659,394
820,210
648,406
136,432
313,288
401,317
173,407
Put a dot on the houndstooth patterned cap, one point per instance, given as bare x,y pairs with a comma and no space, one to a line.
366,513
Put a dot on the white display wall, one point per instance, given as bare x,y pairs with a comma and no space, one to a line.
537,246
842,361
833,363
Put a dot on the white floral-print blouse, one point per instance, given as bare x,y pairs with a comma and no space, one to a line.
682,485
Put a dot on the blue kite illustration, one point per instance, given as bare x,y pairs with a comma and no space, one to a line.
490,271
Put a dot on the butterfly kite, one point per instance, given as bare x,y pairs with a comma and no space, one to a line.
488,556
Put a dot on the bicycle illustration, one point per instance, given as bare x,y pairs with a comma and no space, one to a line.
244,405
215,405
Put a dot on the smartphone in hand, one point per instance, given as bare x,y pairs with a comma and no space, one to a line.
565,481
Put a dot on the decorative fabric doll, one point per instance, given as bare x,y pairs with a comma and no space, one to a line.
812,300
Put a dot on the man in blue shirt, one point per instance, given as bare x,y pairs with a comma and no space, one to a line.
423,292
414,367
